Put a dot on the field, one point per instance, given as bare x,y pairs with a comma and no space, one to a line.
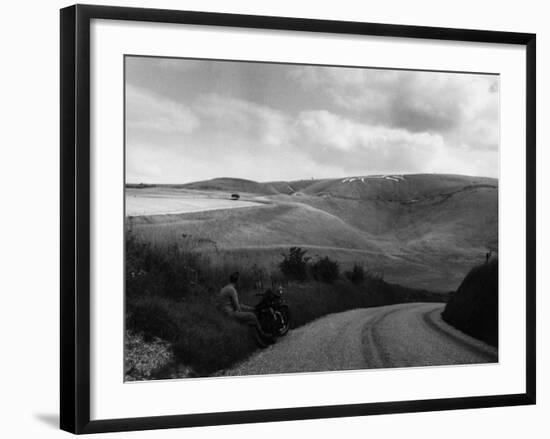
162,202
422,231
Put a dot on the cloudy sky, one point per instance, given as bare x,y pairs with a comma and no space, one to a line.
189,120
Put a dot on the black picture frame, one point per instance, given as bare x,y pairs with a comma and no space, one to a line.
75,216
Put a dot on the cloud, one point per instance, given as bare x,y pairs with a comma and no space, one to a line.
143,163
228,115
351,144
235,138
177,64
306,121
259,141
138,65
148,111
461,107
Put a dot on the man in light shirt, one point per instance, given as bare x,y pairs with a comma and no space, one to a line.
241,312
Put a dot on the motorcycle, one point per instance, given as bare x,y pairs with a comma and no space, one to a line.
273,313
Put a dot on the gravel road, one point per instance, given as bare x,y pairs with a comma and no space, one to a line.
402,335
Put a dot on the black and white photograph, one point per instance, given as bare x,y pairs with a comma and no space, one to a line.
275,219
287,218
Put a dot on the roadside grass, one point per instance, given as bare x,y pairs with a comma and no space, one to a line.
201,337
173,318
143,357
473,308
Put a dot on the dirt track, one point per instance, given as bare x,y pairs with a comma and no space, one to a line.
391,336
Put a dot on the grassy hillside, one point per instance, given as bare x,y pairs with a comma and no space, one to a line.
399,188
234,185
425,231
473,308
392,188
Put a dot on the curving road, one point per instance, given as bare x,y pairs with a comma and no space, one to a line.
404,335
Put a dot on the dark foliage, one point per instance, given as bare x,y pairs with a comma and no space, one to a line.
356,275
295,264
473,308
325,270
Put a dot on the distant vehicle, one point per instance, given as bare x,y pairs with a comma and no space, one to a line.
235,196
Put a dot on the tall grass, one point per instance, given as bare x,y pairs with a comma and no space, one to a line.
172,299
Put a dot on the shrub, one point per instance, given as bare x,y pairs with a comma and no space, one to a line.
356,275
326,270
295,264
374,275
473,308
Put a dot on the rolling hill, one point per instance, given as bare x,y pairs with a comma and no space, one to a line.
422,230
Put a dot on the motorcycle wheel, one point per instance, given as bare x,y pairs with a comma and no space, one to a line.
284,320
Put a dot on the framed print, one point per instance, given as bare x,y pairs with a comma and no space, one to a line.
268,218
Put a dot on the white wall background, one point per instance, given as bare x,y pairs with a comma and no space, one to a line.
29,248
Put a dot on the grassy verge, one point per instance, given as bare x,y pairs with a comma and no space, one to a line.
473,308
173,318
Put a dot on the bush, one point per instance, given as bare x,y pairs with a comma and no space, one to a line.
473,308
295,264
326,270
356,275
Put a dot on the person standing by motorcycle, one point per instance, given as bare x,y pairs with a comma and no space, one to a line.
241,312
